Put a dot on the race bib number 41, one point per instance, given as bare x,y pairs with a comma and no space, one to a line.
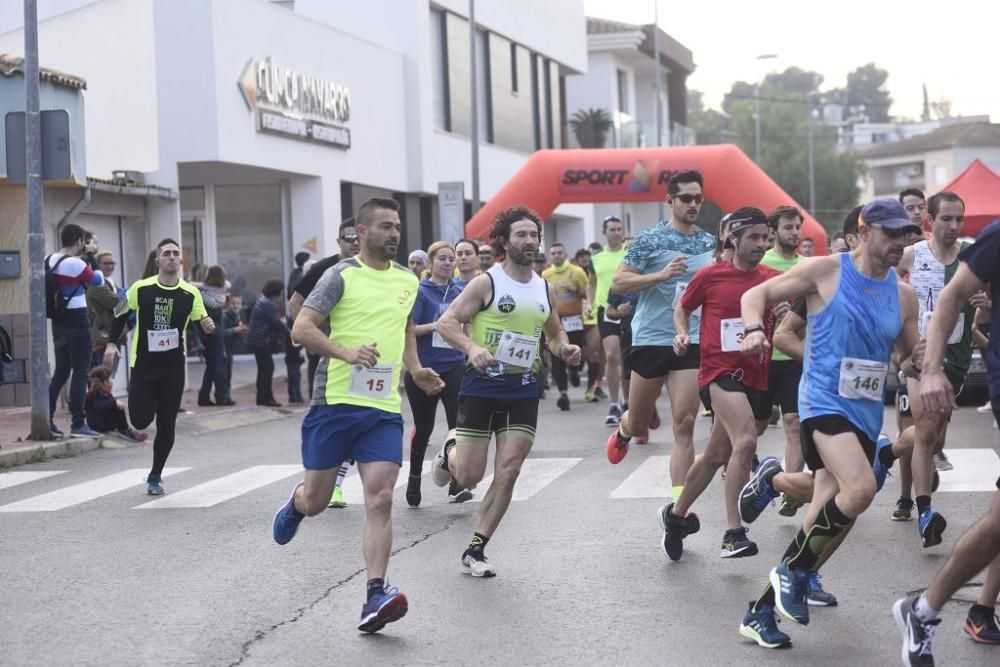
163,340
517,350
862,379
374,382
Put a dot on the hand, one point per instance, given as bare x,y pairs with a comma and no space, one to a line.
570,354
980,300
917,356
121,406
481,359
624,310
110,352
681,342
241,328
586,310
207,325
780,310
675,268
366,355
936,392
755,343
428,381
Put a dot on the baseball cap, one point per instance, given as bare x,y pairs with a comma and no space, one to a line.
886,213
421,255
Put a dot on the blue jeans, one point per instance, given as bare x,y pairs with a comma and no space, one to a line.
215,370
72,351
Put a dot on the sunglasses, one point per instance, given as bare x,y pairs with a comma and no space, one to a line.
349,239
893,233
688,199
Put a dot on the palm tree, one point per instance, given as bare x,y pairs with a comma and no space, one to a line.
591,127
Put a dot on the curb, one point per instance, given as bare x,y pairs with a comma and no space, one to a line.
19,455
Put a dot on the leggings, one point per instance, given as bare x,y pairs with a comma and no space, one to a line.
424,410
559,366
155,391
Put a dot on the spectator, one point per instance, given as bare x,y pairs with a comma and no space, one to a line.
296,275
233,328
101,302
487,257
418,262
214,291
540,263
266,326
90,249
293,352
151,268
104,413
806,247
467,261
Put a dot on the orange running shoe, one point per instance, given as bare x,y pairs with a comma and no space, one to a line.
617,447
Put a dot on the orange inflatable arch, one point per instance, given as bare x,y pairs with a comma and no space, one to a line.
590,175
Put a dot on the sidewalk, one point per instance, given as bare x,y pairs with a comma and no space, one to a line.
15,423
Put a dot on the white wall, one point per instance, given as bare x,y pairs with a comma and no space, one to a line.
597,89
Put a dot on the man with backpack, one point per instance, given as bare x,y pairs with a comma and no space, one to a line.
67,278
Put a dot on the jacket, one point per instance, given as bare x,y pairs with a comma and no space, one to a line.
264,325
101,301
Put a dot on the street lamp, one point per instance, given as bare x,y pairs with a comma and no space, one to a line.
756,110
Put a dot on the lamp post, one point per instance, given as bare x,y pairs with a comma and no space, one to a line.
756,110
474,107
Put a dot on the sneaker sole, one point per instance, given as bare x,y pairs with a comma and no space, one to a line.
391,611
819,603
462,496
745,552
931,537
978,639
484,575
612,422
902,518
441,476
610,447
337,506
775,582
83,435
751,634
897,613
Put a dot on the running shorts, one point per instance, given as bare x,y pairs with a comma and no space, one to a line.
332,434
830,425
656,361
783,385
480,417
760,404
607,327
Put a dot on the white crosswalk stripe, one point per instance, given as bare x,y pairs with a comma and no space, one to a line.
975,470
650,480
536,474
225,488
9,479
84,492
355,495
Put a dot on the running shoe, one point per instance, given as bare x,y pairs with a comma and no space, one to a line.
382,608
474,562
55,431
758,492
985,409
705,412
413,490
817,597
154,486
942,463
563,402
440,473
931,525
880,469
917,635
762,627
287,519
654,421
736,544
983,625
903,511
675,529
789,506
133,435
791,588
337,499
588,395
574,376
457,494
83,431
614,416
599,393
617,447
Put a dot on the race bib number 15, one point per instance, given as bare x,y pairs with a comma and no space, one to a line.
374,382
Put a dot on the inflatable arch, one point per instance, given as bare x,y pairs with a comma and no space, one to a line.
590,175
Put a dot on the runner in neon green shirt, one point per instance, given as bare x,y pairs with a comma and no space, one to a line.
605,264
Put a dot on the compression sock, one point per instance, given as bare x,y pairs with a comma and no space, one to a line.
806,548
886,457
375,587
341,474
923,502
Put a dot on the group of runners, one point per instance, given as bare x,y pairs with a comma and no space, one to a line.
718,319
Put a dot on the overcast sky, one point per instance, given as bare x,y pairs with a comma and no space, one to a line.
953,47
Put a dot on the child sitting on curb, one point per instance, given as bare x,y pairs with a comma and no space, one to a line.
104,413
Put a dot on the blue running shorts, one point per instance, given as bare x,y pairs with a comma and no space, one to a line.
332,434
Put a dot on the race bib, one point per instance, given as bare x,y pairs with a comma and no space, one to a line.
374,382
517,350
862,379
437,340
163,340
732,331
572,323
956,333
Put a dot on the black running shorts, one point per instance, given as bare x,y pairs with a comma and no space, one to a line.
656,361
480,417
783,385
830,425
759,402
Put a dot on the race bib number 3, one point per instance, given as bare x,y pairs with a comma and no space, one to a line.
163,340
956,333
572,323
862,379
517,350
732,334
374,382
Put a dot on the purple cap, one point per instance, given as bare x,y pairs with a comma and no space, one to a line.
888,214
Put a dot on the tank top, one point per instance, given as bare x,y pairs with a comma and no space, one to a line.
510,327
848,348
928,277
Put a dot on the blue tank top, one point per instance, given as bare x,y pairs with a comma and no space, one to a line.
848,348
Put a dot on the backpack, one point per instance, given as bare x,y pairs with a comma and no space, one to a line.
55,303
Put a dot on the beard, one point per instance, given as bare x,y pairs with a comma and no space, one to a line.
521,257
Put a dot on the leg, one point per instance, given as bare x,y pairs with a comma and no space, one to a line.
449,397
700,474
973,552
63,365
797,485
793,445
928,427
378,479
735,415
991,585
313,496
559,373
592,336
643,393
612,366
169,392
512,449
424,409
905,441
682,387
143,393
120,420
80,361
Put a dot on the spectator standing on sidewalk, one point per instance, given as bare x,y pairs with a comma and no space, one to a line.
267,325
233,328
213,294
101,302
70,329
293,353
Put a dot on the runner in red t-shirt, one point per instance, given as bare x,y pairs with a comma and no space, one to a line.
734,384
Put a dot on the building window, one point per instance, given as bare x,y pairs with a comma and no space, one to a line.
439,66
622,91
547,79
536,116
513,67
484,87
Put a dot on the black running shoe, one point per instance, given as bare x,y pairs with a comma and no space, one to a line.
674,530
413,490
736,544
917,635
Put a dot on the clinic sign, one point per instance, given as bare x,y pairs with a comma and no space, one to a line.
296,105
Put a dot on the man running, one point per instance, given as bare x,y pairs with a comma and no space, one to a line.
508,308
659,265
355,412
164,304
732,384
570,285
980,545
858,312
605,264
931,265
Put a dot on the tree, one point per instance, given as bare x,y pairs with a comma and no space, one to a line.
591,127
866,92
710,126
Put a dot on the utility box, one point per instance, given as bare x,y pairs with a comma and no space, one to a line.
55,146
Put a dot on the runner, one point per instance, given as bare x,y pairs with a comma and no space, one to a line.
508,308
931,265
733,384
355,412
858,311
436,293
980,545
659,266
605,264
164,304
466,261
570,285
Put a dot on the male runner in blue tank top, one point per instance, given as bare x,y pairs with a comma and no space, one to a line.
859,313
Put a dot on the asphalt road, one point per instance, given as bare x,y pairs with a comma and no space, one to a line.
195,579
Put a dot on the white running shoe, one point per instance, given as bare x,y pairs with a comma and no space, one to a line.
477,567
942,463
440,473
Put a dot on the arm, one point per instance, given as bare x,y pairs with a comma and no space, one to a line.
306,331
557,339
802,279
275,320
682,322
102,298
295,304
426,378
461,311
908,348
627,278
788,337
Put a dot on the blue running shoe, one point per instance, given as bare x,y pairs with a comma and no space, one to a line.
287,519
880,469
154,487
817,596
791,588
762,627
382,608
931,526
758,491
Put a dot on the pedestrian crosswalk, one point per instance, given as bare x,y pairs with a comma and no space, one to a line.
976,470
